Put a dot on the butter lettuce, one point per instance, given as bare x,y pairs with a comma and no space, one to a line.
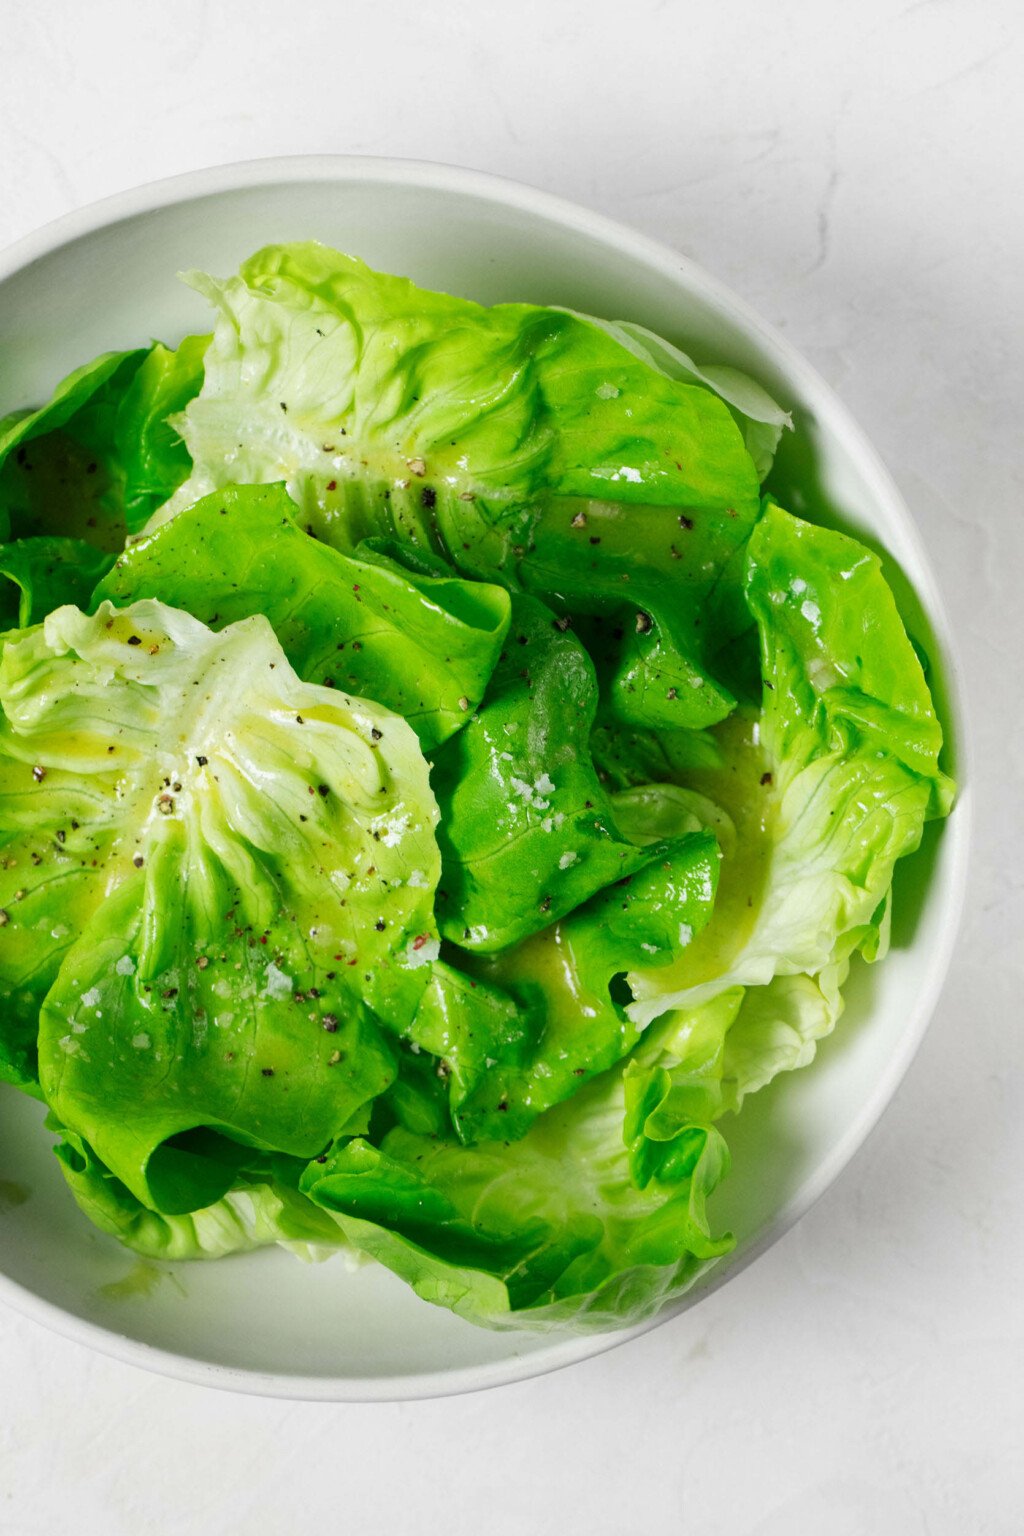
417,640
45,573
262,1208
522,1030
379,403
827,786
154,459
527,831
246,866
831,783
523,1233
514,441
86,468
761,420
59,468
436,788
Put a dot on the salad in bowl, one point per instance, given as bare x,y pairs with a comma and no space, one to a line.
439,786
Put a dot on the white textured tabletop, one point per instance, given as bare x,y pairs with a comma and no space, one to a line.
854,171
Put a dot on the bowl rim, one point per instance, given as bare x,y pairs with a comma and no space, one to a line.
661,258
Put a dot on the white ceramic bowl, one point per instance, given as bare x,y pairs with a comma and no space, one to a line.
105,277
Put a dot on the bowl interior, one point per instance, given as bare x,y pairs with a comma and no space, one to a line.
265,1322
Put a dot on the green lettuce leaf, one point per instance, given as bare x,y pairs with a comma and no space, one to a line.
828,787
64,470
98,459
263,1207
378,401
569,992
423,643
527,832
520,1030
759,418
492,436
708,1057
656,598
544,1233
217,879
61,472
153,457
46,573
